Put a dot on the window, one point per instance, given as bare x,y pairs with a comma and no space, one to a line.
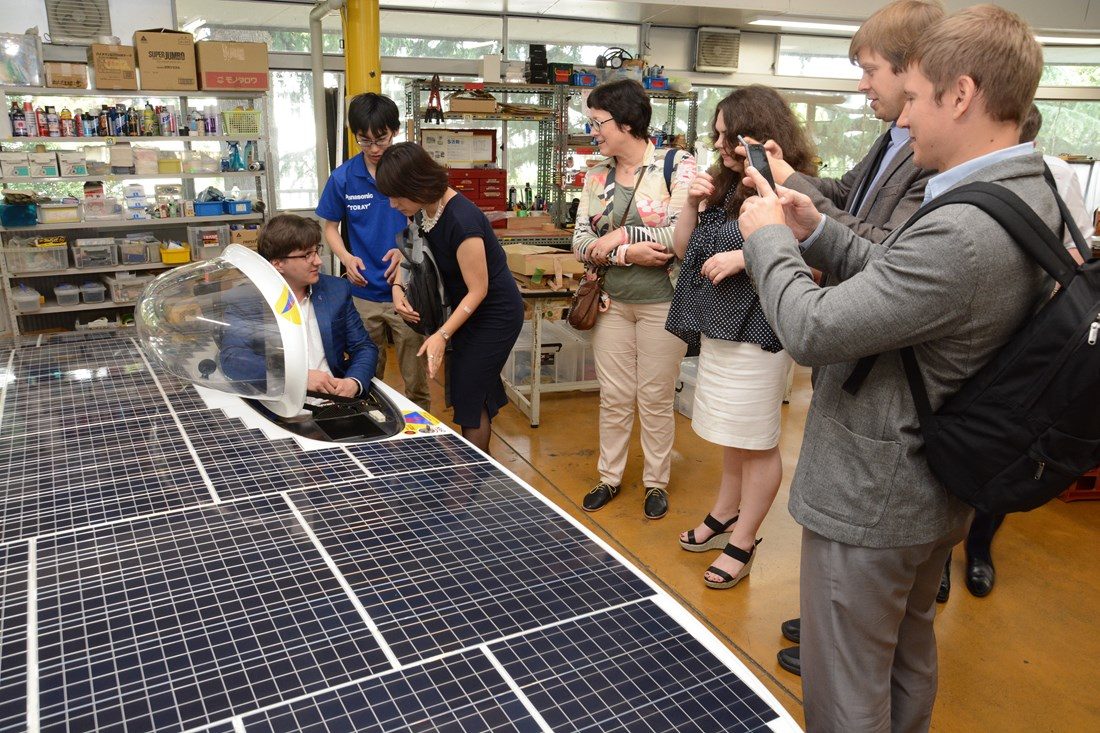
841,126
567,41
1070,67
1070,127
284,27
294,138
439,35
820,56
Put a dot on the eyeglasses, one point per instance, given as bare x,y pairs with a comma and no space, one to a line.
366,143
313,252
597,124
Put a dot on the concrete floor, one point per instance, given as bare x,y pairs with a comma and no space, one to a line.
1022,659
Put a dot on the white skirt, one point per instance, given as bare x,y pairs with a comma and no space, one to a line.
739,394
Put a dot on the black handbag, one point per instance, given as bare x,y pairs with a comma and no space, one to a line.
423,283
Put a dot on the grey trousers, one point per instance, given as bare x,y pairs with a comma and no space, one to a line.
868,647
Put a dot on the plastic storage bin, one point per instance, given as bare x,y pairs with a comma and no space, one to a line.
684,401
67,294
98,252
207,242
58,213
126,287
132,252
557,362
36,259
93,292
18,215
175,256
26,299
209,208
237,207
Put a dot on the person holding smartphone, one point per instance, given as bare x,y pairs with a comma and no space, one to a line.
742,365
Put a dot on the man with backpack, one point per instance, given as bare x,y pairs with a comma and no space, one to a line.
884,189
877,521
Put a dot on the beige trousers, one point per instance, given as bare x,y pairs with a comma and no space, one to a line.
382,321
637,361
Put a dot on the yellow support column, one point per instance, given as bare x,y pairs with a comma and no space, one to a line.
362,52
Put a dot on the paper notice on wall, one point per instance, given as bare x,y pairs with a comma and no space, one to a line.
458,148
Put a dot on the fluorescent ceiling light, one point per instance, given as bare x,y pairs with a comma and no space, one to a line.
1068,40
806,25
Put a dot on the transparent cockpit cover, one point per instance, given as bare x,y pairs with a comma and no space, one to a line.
228,324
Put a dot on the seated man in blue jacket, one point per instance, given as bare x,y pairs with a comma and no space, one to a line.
341,356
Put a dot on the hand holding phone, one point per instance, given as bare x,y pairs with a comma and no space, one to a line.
758,159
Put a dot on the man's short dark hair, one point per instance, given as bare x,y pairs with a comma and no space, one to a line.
1033,122
373,114
287,233
407,171
627,103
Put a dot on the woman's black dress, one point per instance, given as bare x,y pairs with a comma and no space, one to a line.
482,345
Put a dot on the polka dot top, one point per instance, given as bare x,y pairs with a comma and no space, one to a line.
729,310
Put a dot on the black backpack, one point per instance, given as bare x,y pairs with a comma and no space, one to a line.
1028,423
423,284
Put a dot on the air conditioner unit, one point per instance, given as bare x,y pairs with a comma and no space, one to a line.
717,49
77,22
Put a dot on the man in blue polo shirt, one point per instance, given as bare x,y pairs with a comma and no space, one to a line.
372,225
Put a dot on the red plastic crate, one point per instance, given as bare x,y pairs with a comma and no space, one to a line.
1085,488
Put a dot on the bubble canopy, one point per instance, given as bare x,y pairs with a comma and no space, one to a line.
230,324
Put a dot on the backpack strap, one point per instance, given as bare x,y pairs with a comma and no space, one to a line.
1020,222
670,164
1068,222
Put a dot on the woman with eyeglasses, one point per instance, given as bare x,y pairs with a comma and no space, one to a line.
743,368
624,230
487,311
370,256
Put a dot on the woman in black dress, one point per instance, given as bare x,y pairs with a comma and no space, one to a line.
487,309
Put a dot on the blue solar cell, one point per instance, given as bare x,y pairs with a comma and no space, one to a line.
449,558
459,693
630,669
13,637
178,629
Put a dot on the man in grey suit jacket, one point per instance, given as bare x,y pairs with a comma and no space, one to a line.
877,525
884,189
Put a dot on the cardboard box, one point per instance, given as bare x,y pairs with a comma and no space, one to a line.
66,76
247,237
14,165
72,162
468,104
43,165
231,65
113,66
166,60
524,259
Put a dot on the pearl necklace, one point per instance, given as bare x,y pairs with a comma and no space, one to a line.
429,222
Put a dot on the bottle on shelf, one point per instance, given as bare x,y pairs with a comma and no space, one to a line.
149,120
40,122
53,122
211,121
528,194
103,126
18,121
511,198
78,122
163,125
89,123
65,120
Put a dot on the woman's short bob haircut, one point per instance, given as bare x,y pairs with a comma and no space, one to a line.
627,103
407,171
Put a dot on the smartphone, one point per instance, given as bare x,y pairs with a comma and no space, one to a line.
758,159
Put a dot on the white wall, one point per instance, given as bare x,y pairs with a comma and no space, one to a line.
127,16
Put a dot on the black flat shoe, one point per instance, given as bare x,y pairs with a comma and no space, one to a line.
598,497
945,583
979,577
717,541
656,503
790,659
792,630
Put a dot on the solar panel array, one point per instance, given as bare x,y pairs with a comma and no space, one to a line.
165,567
